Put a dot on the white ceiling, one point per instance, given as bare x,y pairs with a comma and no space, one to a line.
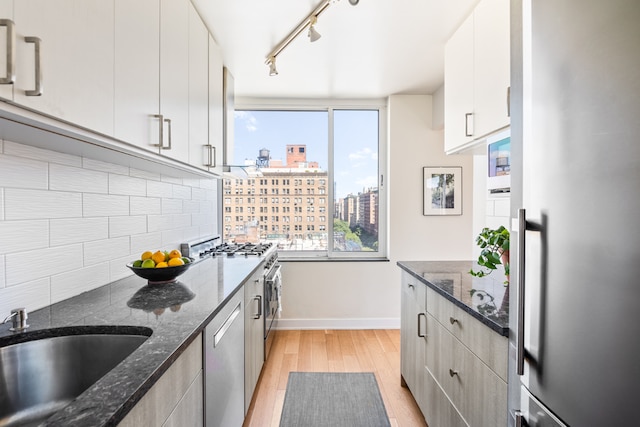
371,50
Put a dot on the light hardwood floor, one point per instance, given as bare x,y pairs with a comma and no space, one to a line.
376,351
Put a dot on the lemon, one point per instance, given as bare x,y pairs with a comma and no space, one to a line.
175,254
158,257
174,262
148,263
162,265
146,255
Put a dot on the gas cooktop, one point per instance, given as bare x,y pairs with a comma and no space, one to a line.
211,247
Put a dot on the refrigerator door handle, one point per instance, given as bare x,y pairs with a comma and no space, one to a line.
523,227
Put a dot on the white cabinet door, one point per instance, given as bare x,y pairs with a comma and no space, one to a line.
6,55
174,77
198,90
254,335
76,54
137,72
216,106
491,65
458,87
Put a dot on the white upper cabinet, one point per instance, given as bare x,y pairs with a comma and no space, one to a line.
477,67
216,105
64,60
137,72
174,77
6,55
198,90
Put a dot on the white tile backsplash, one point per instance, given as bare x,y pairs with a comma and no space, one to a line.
67,178
126,185
18,172
127,225
67,285
35,153
17,236
104,205
31,295
85,220
145,205
41,204
78,230
36,264
105,250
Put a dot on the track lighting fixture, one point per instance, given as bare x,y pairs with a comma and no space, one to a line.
272,66
313,34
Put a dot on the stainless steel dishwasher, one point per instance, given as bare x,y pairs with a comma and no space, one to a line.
223,348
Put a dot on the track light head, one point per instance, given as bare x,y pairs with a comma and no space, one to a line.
272,66
313,34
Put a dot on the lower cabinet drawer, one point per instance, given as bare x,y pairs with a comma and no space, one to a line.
438,410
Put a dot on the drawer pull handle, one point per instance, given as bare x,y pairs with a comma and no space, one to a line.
420,334
452,372
454,320
10,78
410,285
37,91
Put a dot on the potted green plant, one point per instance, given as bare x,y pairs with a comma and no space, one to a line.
495,251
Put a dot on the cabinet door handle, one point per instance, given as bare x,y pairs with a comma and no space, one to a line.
420,334
226,325
160,118
468,132
38,67
452,373
453,320
509,101
259,299
168,147
211,156
10,78
410,285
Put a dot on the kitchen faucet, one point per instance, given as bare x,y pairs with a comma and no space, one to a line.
19,318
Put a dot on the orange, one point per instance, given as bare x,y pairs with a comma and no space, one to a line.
158,257
146,255
173,262
175,254
162,265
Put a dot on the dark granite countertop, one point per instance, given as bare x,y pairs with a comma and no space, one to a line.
176,314
486,298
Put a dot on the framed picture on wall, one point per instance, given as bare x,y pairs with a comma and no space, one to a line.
442,190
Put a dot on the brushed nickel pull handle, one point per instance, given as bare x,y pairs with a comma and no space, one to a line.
452,373
421,335
211,156
259,299
160,118
453,320
168,147
509,101
38,66
410,285
10,78
468,116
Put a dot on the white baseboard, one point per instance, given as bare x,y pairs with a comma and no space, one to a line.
311,324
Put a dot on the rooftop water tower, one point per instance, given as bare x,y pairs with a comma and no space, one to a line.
263,158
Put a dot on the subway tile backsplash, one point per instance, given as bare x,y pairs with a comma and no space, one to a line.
70,224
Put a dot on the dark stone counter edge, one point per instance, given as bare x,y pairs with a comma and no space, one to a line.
504,331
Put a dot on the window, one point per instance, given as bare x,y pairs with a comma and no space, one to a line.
331,160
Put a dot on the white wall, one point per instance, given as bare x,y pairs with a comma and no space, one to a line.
318,295
69,224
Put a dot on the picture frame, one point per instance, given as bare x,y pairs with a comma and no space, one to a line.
442,190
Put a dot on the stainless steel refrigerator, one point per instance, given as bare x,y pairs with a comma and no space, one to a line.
575,136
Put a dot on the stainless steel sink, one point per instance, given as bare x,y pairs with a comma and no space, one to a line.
41,376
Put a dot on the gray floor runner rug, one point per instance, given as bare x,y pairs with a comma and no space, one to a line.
333,399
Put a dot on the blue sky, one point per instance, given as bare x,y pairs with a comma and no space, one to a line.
356,141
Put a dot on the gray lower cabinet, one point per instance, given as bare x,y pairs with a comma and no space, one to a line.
462,380
253,334
176,399
412,336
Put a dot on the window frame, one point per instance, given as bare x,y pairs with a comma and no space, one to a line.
382,254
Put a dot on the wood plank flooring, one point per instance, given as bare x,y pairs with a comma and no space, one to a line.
376,351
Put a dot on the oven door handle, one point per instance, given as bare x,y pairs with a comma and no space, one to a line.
275,272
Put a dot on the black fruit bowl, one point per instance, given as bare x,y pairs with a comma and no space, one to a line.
160,275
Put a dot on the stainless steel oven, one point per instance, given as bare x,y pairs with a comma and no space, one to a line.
272,299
